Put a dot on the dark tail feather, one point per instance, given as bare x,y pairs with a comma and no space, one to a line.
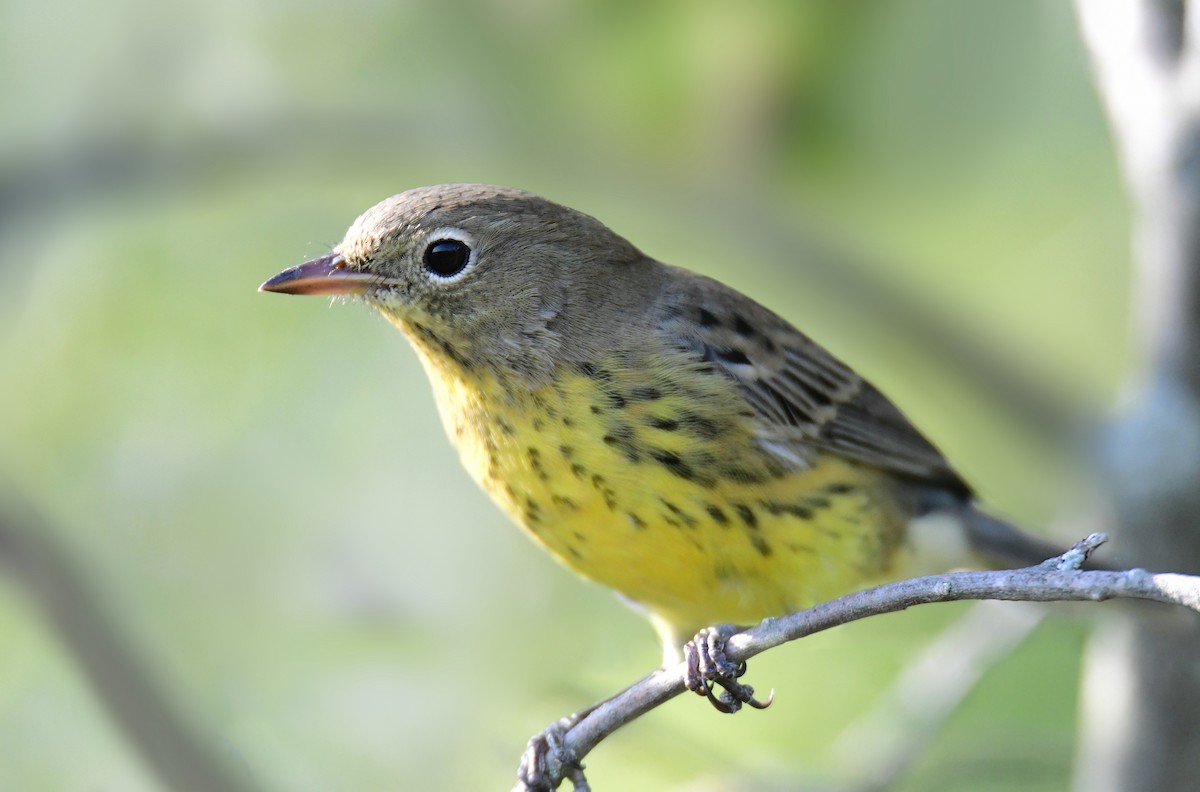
1002,545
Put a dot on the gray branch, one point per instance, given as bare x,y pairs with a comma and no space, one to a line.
1056,580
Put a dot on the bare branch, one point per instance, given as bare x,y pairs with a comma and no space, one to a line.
1056,580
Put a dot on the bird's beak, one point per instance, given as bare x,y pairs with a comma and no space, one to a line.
325,275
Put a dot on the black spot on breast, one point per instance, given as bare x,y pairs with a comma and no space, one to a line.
621,437
596,410
562,501
616,400
505,426
532,512
665,424
704,428
672,462
535,463
760,544
601,485
566,451
715,512
747,514
685,518
707,318
794,509
637,522
578,470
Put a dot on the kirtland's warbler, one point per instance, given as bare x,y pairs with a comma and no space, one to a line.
655,430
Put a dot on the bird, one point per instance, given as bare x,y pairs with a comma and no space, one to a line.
657,431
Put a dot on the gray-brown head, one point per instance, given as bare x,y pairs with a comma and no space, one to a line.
490,273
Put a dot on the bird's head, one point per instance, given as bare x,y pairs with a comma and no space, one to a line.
471,273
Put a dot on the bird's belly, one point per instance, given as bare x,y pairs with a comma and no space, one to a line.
681,520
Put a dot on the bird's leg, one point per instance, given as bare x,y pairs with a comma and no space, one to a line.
707,667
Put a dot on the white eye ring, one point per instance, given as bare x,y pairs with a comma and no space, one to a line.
449,254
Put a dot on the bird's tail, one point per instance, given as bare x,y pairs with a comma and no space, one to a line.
1002,545
951,531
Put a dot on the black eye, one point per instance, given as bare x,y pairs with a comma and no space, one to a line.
447,257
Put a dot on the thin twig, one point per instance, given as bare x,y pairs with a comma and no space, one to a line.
1056,580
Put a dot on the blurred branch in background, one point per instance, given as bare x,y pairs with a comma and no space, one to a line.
1141,686
180,756
889,741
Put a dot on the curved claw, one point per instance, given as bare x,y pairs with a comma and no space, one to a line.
718,702
708,669
762,705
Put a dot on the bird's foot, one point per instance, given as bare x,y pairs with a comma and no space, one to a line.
708,668
547,760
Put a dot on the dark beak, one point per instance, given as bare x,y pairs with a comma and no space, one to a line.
326,275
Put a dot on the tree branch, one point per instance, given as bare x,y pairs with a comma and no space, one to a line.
1057,580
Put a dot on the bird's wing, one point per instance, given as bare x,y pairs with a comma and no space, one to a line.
808,399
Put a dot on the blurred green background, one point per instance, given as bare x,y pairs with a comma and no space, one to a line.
259,485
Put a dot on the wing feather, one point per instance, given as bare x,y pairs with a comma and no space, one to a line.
808,400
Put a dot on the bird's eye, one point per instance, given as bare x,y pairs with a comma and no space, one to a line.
446,258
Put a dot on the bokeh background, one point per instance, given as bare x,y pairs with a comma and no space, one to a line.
258,486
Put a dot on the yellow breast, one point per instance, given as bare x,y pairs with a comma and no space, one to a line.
651,481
